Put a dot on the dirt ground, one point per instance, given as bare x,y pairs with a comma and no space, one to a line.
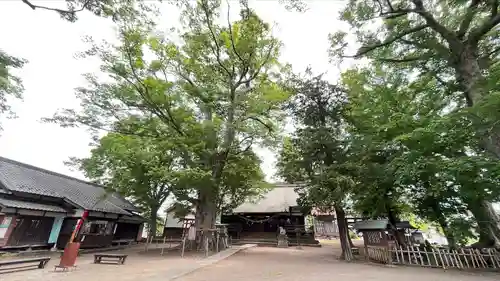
259,263
150,266
317,264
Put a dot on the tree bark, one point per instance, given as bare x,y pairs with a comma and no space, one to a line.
343,234
206,212
393,219
153,222
441,219
487,222
470,78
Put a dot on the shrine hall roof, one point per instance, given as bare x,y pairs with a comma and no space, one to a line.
17,204
381,224
277,200
23,178
372,224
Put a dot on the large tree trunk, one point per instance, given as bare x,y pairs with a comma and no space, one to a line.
487,222
441,219
470,79
393,219
206,213
153,217
343,234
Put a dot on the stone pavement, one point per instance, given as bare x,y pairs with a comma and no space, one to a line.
317,264
150,267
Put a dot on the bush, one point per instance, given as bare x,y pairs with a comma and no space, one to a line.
353,235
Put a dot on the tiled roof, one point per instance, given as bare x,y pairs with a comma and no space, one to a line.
405,224
277,200
131,218
372,224
16,176
8,203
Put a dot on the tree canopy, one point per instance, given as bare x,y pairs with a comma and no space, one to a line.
413,133
216,93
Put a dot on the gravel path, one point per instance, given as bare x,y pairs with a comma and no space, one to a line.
319,264
253,264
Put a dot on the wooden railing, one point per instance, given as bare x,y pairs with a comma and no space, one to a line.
464,258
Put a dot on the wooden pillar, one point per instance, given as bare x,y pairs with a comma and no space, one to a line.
139,233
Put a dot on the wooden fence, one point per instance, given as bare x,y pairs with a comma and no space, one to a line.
444,258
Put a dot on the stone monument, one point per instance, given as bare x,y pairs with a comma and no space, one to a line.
282,238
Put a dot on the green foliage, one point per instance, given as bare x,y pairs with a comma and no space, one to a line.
10,84
421,162
424,109
143,169
316,153
353,235
114,9
214,94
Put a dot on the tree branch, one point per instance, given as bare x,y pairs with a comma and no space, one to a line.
67,12
259,68
251,139
434,24
407,59
216,51
485,27
436,46
366,49
393,13
469,16
261,122
231,33
244,63
493,8
169,116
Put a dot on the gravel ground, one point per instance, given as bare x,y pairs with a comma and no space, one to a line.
254,264
317,264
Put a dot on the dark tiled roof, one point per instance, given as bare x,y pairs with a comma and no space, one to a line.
277,200
16,176
372,224
405,224
9,203
132,218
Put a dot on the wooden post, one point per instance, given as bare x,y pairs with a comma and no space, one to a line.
465,258
457,255
397,254
216,241
473,259
481,258
445,256
492,259
206,246
183,246
427,256
420,256
164,244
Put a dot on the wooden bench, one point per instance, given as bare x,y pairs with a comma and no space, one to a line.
119,258
39,262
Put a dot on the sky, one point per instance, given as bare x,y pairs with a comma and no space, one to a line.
52,72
